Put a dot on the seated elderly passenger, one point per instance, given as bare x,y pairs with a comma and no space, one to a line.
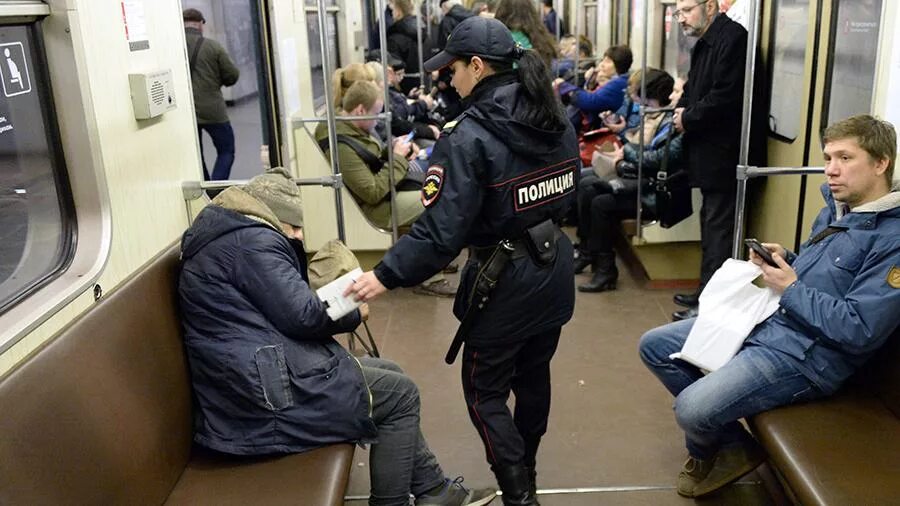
604,201
267,373
840,301
585,106
363,165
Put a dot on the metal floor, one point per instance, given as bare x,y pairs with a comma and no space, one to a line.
611,426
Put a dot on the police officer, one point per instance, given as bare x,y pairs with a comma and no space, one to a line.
502,174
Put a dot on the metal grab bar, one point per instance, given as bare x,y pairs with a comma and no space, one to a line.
193,190
301,121
747,172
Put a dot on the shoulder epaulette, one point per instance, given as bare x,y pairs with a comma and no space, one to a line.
448,126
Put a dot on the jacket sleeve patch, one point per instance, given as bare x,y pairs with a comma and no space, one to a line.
431,188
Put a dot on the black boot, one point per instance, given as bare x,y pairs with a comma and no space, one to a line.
516,485
532,479
583,261
605,274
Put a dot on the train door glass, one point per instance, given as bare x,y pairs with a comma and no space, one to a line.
590,22
235,25
850,75
37,218
676,46
788,56
622,22
315,47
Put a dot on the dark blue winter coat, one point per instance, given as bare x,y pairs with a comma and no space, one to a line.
267,374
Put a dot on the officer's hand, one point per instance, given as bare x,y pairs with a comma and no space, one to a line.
778,278
365,288
364,312
436,131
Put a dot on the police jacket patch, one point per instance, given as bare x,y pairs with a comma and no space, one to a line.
431,187
544,186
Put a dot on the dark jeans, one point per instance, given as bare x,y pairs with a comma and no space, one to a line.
400,462
488,375
716,231
599,210
708,407
223,139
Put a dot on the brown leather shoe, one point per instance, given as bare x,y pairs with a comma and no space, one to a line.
441,288
693,472
729,464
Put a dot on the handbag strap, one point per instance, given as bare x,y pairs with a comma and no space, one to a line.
194,53
663,174
374,163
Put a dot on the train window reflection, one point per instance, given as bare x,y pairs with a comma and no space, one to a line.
788,54
315,52
855,29
676,46
36,217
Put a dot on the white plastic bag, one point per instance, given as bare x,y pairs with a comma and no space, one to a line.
730,306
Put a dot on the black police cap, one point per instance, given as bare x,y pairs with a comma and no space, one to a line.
476,36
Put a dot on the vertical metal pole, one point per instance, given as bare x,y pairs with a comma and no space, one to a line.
332,125
388,136
419,43
642,111
557,7
579,14
750,70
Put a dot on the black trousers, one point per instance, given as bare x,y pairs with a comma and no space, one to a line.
716,231
489,373
599,211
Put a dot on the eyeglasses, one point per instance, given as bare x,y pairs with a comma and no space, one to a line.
683,12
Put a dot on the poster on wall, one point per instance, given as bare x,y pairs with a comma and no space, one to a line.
135,20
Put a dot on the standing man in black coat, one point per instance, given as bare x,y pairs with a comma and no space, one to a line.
453,12
709,114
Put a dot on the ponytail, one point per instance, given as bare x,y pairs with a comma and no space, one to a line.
545,109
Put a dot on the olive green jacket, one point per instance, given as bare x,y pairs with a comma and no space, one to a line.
212,69
371,191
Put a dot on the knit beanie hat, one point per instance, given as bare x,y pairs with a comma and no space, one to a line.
277,190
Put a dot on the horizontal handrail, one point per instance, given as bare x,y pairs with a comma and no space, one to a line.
193,190
301,121
749,171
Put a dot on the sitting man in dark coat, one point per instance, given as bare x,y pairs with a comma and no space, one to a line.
268,375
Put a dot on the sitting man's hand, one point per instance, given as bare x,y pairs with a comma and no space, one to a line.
413,152
676,119
776,278
402,147
365,288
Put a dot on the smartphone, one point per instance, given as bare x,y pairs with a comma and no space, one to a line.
612,119
409,137
761,250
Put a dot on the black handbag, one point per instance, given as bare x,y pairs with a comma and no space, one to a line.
673,191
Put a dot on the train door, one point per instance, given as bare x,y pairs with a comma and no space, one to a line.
242,28
822,57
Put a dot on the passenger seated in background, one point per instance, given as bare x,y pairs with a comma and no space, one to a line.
604,201
409,117
369,183
260,348
564,67
587,105
528,31
840,301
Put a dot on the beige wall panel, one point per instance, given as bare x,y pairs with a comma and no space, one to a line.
144,162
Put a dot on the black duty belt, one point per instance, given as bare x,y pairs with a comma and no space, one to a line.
482,254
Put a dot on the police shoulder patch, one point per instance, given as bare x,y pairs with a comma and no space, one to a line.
431,187
893,277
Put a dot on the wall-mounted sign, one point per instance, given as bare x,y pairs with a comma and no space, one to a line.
135,25
14,69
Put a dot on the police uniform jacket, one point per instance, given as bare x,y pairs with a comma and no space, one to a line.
846,301
491,177
713,101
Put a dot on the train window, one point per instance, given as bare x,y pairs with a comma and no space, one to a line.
315,46
590,16
676,46
850,78
36,212
788,54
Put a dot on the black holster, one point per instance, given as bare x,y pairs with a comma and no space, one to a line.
541,242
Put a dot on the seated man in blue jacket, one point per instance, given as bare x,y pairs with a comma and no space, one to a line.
840,301
268,375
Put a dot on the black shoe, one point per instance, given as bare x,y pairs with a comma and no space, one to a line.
515,483
684,314
583,261
687,299
602,281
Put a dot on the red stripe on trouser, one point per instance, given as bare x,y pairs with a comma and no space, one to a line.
474,408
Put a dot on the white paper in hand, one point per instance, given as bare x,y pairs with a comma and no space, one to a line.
730,306
332,295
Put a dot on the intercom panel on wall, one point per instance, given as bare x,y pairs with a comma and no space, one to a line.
152,93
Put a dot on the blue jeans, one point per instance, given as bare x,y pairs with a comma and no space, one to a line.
400,463
223,139
708,407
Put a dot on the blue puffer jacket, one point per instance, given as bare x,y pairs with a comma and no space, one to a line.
267,375
846,301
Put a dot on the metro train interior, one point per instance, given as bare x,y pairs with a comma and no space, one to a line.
102,171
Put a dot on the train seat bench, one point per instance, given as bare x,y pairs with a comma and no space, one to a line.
101,414
844,449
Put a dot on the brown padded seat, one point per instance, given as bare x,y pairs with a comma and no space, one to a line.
102,415
844,449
